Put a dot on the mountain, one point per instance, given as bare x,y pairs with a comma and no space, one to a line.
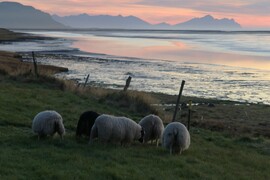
132,22
17,16
162,26
14,15
209,23
102,21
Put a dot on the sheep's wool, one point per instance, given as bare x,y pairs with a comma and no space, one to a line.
176,137
48,123
117,129
153,127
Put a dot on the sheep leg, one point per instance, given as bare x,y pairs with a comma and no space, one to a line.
157,141
171,149
180,151
93,134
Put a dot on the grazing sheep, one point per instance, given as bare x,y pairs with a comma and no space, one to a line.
176,137
116,129
153,127
85,123
48,123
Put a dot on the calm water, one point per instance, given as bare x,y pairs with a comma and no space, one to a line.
223,65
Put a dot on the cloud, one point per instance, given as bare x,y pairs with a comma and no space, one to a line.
258,7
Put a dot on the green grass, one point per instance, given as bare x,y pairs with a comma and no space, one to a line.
212,155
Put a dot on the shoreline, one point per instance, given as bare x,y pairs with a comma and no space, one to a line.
13,59
232,117
10,36
67,59
75,54
217,52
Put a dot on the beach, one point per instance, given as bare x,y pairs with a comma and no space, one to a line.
104,55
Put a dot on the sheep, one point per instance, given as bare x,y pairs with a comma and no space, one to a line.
85,123
176,137
153,127
116,129
48,123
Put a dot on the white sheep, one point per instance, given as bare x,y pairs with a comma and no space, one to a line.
153,127
116,129
48,123
176,137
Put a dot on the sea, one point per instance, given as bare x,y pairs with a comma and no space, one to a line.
225,65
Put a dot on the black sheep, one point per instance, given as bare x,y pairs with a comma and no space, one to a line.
85,123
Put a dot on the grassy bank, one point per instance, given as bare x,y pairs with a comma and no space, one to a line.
212,155
227,141
10,62
9,36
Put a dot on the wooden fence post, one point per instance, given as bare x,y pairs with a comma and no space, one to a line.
127,83
86,80
35,64
178,100
189,114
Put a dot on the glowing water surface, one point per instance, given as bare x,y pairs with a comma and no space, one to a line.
214,64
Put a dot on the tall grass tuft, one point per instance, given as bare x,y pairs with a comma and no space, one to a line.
134,101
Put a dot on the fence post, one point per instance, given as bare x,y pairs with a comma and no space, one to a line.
86,80
189,114
178,100
127,83
35,64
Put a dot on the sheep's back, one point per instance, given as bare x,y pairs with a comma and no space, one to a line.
132,129
115,128
86,122
183,137
153,127
43,122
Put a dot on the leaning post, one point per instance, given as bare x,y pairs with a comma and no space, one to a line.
178,100
189,114
127,83
35,64
86,80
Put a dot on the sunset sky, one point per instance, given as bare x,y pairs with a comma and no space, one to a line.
249,13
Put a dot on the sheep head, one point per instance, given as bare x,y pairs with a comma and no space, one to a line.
142,135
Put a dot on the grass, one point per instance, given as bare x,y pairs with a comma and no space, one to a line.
8,36
22,156
217,151
227,116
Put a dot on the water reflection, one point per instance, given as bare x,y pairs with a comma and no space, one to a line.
168,50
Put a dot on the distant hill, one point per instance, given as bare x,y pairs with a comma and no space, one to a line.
132,22
209,23
102,21
15,15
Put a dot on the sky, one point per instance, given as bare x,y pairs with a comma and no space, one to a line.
249,13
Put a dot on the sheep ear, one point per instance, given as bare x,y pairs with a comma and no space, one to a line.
142,132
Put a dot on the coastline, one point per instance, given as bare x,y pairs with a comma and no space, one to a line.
10,36
219,115
109,68
14,60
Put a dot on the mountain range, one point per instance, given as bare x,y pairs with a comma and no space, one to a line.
14,15
131,22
